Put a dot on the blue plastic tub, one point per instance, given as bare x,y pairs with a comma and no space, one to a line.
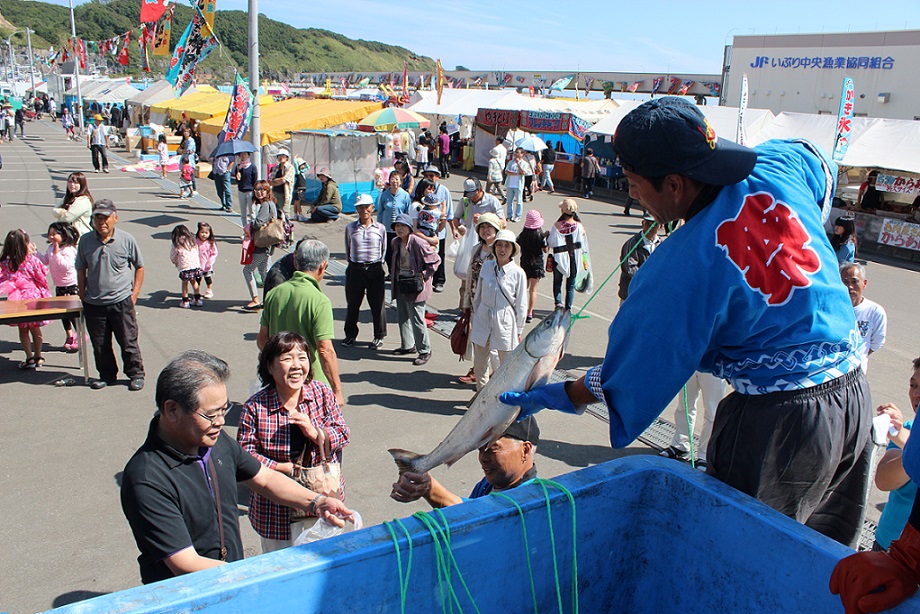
652,536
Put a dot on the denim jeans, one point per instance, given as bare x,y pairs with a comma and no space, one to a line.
569,288
224,195
547,177
516,201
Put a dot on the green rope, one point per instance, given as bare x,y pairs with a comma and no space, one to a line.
533,589
578,315
403,580
689,428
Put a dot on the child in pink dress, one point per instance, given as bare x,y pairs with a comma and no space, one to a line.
184,254
207,252
24,277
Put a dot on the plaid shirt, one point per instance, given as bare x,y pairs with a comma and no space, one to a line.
265,433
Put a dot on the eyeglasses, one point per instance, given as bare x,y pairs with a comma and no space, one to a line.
220,413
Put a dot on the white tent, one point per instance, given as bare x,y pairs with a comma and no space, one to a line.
116,93
90,86
464,103
724,120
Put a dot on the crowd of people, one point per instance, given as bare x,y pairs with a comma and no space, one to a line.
293,425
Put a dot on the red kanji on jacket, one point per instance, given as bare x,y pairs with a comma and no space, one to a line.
770,246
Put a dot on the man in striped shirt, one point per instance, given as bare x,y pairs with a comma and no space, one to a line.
365,246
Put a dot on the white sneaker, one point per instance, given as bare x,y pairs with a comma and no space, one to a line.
194,193
209,294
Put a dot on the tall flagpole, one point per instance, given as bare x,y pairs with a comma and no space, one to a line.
255,132
31,60
76,67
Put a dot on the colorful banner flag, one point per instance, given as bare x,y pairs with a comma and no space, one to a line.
634,87
123,56
81,53
715,89
208,9
560,84
144,41
844,119
194,46
440,81
685,87
742,106
589,81
161,33
239,114
675,83
152,10
405,83
656,85
364,82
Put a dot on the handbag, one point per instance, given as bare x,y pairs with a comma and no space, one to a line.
324,479
550,263
410,285
248,248
270,234
460,335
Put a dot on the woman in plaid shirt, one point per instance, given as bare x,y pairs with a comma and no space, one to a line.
290,412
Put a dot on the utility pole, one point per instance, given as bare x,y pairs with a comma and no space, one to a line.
76,68
255,130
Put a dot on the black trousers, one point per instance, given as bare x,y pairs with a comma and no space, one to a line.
118,320
444,165
99,152
360,281
440,276
805,453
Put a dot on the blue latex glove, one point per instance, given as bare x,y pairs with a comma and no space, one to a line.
552,396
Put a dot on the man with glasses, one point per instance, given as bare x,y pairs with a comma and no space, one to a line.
179,491
110,272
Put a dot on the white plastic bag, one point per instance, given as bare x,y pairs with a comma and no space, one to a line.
464,254
453,248
325,530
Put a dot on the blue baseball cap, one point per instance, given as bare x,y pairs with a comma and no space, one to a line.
669,135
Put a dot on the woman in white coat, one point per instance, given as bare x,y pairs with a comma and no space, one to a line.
499,306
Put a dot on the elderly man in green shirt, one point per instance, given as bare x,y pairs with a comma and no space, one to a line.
298,305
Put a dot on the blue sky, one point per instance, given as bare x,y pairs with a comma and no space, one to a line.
588,35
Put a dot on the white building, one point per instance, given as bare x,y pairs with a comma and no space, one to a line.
804,72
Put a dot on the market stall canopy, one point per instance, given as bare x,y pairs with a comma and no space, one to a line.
88,87
454,103
279,119
874,142
116,93
216,107
157,92
724,120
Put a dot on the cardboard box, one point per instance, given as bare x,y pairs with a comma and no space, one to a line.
204,169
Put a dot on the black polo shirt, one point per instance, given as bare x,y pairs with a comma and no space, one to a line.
167,499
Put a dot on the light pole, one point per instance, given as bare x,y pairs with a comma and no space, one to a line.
9,50
255,136
76,68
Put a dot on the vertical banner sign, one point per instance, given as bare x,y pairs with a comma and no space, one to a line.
152,10
240,113
844,119
123,56
196,44
742,106
161,34
209,8
440,81
405,82
81,52
656,85
144,42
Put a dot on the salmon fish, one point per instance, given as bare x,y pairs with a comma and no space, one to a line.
528,366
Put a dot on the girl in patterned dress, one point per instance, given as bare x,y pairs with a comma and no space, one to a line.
184,254
24,277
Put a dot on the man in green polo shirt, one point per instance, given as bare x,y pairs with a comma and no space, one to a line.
298,305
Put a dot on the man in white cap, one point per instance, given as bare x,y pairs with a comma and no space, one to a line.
328,205
365,246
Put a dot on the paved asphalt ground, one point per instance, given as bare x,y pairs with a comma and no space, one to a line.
63,536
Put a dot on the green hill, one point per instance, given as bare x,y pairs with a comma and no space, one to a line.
285,50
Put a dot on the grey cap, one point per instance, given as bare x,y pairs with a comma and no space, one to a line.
403,218
105,207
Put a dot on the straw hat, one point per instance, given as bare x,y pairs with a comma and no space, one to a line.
569,206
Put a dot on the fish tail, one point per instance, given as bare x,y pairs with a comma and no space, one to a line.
405,460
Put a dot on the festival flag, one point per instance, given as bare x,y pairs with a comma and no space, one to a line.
81,53
440,81
844,119
656,85
405,93
144,40
194,46
685,88
364,82
208,9
742,106
589,81
239,114
715,89
161,32
634,87
560,84
123,56
675,83
152,10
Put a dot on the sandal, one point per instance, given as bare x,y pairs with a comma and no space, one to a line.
38,361
674,454
28,363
